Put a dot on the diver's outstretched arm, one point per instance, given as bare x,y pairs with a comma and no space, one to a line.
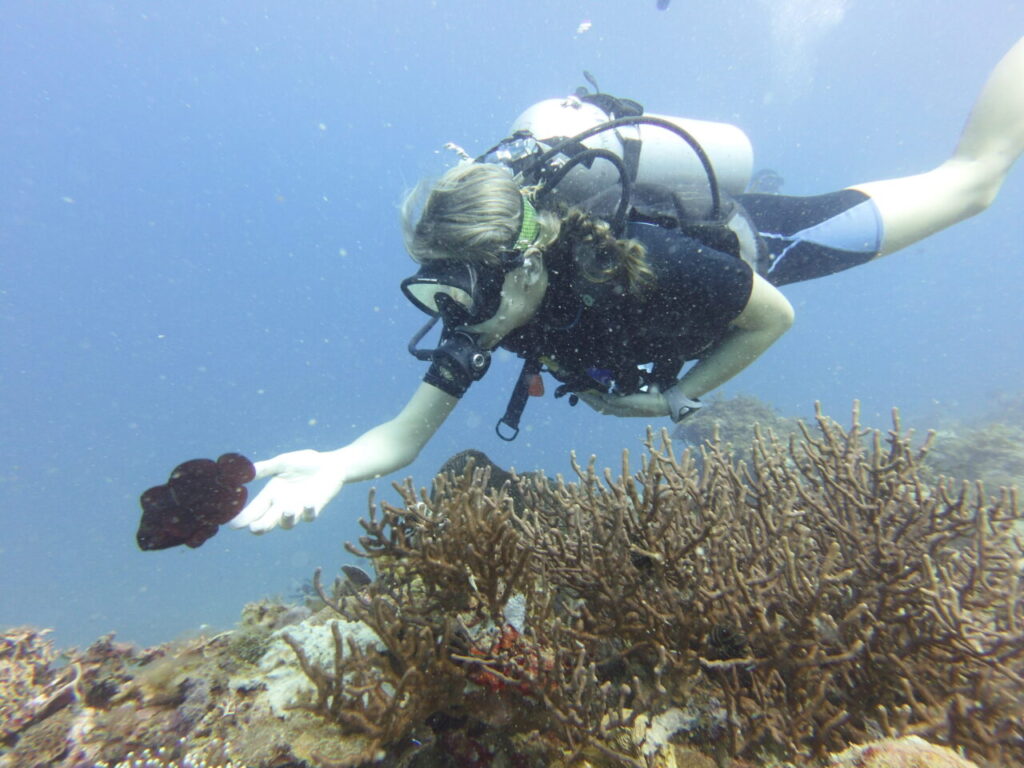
303,482
914,207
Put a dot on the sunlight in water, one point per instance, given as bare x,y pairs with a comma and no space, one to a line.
798,28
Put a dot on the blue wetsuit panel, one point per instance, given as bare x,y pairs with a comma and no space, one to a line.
809,237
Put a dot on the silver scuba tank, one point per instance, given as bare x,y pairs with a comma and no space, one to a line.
664,158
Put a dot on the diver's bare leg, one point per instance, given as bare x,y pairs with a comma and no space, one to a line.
914,207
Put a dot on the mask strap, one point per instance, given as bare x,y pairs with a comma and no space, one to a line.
528,230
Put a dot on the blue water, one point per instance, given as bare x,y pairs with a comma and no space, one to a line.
199,249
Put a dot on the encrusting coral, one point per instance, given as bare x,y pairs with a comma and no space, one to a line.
729,423
696,611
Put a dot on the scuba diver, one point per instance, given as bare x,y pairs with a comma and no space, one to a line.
608,248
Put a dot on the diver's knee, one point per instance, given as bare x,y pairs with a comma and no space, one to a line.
981,194
974,183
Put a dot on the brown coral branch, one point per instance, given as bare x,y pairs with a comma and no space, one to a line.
820,592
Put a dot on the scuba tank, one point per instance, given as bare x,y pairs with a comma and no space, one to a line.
653,154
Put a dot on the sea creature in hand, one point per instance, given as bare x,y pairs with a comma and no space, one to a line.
200,496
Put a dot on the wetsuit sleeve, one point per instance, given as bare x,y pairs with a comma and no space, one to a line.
810,237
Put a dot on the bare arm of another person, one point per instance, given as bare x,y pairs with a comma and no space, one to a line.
303,482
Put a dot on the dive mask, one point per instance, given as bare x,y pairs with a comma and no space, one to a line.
462,293
458,292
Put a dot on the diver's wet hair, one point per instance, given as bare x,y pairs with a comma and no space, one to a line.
599,255
472,213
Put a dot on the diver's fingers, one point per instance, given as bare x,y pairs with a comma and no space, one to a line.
291,463
288,519
268,522
596,400
269,467
254,510
264,469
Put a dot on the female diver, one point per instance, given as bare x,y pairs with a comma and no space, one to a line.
588,298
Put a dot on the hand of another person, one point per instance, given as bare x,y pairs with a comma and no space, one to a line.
301,484
645,404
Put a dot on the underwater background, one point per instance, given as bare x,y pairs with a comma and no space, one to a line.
200,250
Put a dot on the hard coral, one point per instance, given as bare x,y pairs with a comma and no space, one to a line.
754,614
819,594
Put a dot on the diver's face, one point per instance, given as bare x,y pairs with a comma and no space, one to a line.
521,296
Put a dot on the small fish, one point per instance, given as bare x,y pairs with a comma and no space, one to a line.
584,26
357,576
663,4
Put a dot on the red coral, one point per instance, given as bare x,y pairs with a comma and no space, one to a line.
511,663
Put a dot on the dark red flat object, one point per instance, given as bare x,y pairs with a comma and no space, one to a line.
199,497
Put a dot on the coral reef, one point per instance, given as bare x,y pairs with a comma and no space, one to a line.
819,596
908,752
27,687
728,423
695,611
989,448
992,453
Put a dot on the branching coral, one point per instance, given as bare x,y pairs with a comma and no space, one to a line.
820,595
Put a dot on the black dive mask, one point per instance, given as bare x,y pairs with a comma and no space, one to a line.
461,293
457,292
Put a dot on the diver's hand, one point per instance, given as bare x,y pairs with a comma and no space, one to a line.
301,484
646,404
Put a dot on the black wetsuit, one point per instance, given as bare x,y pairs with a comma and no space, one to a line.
809,237
593,335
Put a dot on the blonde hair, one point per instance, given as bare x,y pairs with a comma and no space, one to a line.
475,210
472,213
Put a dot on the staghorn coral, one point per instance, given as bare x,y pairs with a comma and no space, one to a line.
864,597
696,611
822,594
